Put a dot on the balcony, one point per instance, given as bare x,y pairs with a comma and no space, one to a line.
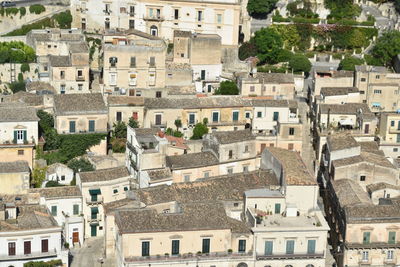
394,130
153,18
159,125
34,255
80,78
227,123
372,245
192,257
296,256
92,201
94,218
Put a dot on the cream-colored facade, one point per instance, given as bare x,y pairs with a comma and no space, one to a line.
16,181
122,108
133,62
389,134
158,18
63,123
332,79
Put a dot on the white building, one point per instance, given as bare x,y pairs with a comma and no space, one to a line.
60,173
65,205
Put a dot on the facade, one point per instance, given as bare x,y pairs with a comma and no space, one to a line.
28,232
323,78
19,133
340,95
122,108
389,134
101,187
60,173
14,177
65,205
159,18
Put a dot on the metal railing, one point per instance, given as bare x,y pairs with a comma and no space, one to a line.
190,256
33,255
90,200
274,256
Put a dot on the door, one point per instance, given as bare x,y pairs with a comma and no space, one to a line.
27,247
289,246
158,119
269,246
75,237
277,208
203,75
311,247
366,129
45,245
11,248
93,230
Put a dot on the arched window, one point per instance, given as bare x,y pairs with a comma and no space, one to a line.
289,265
154,30
309,265
242,264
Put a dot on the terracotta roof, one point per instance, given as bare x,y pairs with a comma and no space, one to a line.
190,217
14,166
296,172
191,160
125,101
333,91
72,104
17,114
178,142
227,187
341,141
104,175
58,192
228,137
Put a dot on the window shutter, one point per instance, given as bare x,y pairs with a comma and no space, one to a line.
15,137
25,138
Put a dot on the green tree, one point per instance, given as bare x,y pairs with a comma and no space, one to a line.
80,165
46,120
25,67
246,50
17,86
199,130
300,63
38,176
20,77
387,47
63,19
119,130
289,34
178,124
37,9
349,63
133,123
53,184
269,44
260,8
227,88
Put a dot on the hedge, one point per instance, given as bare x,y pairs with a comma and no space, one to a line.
37,9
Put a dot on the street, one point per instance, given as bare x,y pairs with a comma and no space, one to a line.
90,253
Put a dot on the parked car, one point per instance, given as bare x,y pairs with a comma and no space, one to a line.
7,4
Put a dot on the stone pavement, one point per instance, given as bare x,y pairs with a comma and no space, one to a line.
90,253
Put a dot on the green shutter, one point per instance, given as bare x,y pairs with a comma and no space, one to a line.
276,116
72,126
54,210
76,209
392,238
235,116
15,137
25,138
242,246
91,126
145,248
175,247
366,237
277,208
311,246
206,246
269,246
289,246
94,191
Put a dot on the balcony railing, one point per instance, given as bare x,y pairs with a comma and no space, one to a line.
153,18
261,257
80,78
161,124
97,200
34,255
94,218
227,123
372,245
191,256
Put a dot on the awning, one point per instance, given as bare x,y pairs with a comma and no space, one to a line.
94,191
346,122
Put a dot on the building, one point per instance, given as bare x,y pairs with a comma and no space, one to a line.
389,133
161,19
100,187
363,233
81,113
59,173
14,177
28,232
378,87
134,63
122,108
323,78
340,95
65,205
18,133
273,85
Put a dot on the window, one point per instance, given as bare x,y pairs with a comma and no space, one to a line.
152,78
27,247
377,91
158,119
113,61
362,178
145,248
242,246
19,136
80,86
158,94
203,75
62,88
209,88
152,61
72,127
252,88
131,11
133,62
113,79
269,247
20,152
362,92
175,247
377,77
11,248
215,116
290,146
291,131
366,237
389,255
230,154
246,149
131,24
176,13
199,15
247,115
259,114
192,118
107,8
91,125
245,168
76,209
154,30
311,246
235,115
277,208
62,74
45,245
115,191
219,18
289,246
392,123
276,116
80,73
62,177
229,170
363,79
54,210
186,178
365,256
206,174
205,246
119,116
392,238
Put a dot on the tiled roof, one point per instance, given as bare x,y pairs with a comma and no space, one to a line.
271,103
364,157
178,142
379,186
332,91
347,108
125,101
53,167
58,192
191,217
373,213
17,114
79,47
104,175
60,61
341,141
275,78
72,104
146,131
296,172
349,192
228,137
39,86
28,99
227,187
14,166
159,174
182,33
200,102
191,160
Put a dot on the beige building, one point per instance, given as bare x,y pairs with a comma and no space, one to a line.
14,177
122,108
273,85
134,64
371,242
101,187
389,134
340,95
323,78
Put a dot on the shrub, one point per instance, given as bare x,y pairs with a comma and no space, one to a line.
37,9
25,67
133,123
22,11
246,50
11,11
20,77
63,19
387,47
260,8
119,129
80,165
199,130
53,184
52,263
17,86
118,145
300,63
227,88
349,63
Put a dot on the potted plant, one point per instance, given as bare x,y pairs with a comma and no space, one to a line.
166,255
230,251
